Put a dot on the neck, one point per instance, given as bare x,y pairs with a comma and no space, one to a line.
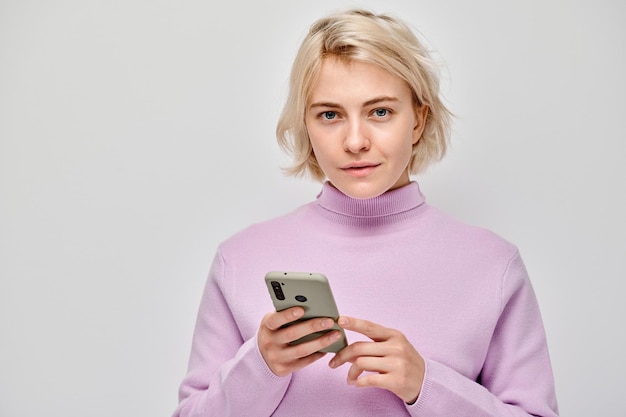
388,207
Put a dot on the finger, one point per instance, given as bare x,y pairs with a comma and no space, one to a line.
353,374
406,388
285,367
356,350
277,319
366,364
313,346
367,328
299,330
371,380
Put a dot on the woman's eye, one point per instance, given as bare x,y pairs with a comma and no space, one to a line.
381,112
329,115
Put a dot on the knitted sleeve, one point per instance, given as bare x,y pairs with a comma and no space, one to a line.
227,376
516,377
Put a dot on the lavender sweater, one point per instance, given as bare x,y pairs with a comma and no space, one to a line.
460,294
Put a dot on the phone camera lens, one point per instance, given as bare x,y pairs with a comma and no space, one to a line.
278,291
301,298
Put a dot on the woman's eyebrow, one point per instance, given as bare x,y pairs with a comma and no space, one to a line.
325,104
379,100
369,102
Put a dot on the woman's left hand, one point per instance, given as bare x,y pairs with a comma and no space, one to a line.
391,361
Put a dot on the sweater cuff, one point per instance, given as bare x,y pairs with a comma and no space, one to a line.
242,382
271,377
418,407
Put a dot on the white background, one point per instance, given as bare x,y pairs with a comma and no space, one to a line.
136,135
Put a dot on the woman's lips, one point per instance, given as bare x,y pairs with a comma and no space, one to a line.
360,170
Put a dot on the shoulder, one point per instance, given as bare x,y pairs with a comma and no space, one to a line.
482,257
265,232
471,239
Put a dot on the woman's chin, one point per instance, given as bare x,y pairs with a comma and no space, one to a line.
360,191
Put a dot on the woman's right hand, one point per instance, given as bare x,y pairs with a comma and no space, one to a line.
283,358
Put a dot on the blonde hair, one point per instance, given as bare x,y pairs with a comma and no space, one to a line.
359,35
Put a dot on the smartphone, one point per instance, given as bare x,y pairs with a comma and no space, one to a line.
308,290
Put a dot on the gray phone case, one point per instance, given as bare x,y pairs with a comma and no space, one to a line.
310,291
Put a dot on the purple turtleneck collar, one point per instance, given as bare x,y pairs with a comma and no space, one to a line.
390,206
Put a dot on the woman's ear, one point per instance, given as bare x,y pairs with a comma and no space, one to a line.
421,114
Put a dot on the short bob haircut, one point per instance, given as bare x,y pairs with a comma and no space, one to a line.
359,35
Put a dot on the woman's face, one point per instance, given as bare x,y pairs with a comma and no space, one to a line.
362,124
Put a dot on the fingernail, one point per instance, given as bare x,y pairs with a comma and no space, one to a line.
343,321
335,335
327,323
297,312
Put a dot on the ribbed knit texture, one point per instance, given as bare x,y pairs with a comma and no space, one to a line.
460,294
391,207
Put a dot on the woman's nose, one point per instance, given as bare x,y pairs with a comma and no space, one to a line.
356,139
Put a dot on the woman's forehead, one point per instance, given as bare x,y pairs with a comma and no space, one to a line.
341,80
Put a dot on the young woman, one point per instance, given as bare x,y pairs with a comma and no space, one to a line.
441,316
